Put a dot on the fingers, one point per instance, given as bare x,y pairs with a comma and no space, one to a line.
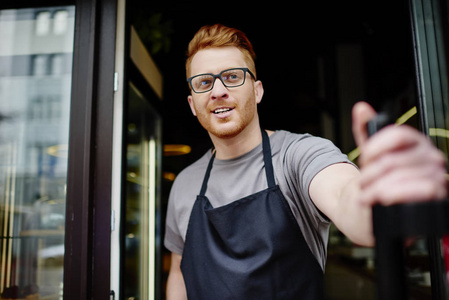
392,139
402,159
362,113
401,165
398,165
406,185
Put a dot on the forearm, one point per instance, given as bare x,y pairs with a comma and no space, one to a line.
352,218
176,289
336,192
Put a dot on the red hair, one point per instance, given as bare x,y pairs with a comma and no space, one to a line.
214,36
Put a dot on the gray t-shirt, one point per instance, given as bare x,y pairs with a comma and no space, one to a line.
297,158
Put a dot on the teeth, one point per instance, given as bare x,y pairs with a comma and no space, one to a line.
221,110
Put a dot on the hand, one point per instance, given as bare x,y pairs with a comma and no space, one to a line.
398,164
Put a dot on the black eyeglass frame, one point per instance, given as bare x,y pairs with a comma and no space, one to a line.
215,76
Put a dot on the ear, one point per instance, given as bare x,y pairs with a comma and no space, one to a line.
192,107
258,89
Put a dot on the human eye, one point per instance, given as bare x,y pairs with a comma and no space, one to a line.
232,76
202,82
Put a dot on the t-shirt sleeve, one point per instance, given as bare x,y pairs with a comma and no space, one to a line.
311,155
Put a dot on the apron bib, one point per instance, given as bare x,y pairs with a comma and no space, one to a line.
251,248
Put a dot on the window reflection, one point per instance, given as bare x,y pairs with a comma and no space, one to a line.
60,22
57,67
37,44
43,23
40,65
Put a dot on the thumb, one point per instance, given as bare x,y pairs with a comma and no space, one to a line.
362,113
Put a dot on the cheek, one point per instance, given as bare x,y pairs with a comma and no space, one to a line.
196,105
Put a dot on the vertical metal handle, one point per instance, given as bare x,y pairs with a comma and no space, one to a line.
389,249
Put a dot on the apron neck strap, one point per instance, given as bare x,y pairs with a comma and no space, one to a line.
266,158
206,177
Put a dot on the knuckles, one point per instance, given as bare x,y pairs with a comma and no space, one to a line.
399,164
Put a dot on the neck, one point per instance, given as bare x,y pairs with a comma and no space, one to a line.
238,145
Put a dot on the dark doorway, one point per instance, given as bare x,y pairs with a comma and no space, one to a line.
315,61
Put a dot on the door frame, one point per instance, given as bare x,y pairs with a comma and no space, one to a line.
88,203
88,214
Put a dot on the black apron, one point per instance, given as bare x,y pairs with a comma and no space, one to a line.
251,248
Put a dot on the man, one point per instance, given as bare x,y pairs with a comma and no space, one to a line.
258,228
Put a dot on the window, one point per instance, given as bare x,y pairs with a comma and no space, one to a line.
33,152
43,23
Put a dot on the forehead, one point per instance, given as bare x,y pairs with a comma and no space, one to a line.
215,60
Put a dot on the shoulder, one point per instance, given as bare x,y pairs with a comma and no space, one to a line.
302,156
288,143
287,138
182,197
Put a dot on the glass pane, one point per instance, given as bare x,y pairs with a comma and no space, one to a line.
35,88
430,33
142,206
431,42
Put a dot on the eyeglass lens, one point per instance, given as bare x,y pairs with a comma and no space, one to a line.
230,78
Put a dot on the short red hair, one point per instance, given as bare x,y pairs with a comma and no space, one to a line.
215,36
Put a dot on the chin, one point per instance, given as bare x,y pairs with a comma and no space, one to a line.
225,132
226,128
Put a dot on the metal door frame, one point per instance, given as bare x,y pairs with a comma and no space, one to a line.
88,208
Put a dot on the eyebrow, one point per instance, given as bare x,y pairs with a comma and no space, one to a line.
207,73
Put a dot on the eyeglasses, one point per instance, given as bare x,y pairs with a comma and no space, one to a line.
230,78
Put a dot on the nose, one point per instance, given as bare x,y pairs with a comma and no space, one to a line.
219,91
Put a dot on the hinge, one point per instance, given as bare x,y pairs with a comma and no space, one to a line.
115,81
112,220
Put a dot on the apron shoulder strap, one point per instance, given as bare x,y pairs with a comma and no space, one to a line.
207,175
268,159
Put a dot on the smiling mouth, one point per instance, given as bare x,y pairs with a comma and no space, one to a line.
221,110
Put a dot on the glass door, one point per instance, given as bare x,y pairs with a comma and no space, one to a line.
430,28
136,198
143,158
35,90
